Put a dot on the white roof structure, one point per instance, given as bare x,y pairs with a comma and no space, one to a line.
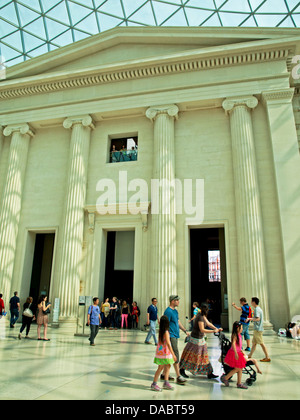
29,28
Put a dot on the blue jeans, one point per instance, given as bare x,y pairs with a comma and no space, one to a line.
14,316
245,331
152,332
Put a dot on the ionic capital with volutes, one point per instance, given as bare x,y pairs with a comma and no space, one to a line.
23,129
154,111
85,120
245,101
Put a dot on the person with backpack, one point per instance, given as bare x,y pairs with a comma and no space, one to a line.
246,313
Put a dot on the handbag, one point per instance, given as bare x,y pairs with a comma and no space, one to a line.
47,311
28,312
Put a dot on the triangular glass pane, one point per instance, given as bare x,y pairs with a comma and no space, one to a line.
236,6
270,21
4,3
26,15
54,28
48,4
197,17
287,23
269,7
60,13
37,27
112,7
256,4
77,12
78,35
39,51
31,42
232,19
8,53
15,60
6,28
34,4
108,22
219,3
144,15
9,13
178,19
292,4
89,24
250,23
87,3
207,4
14,40
163,11
64,39
296,19
130,6
179,2
212,21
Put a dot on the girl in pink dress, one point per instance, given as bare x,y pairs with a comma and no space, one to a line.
164,356
235,357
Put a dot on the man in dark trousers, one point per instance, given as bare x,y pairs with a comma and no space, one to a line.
14,307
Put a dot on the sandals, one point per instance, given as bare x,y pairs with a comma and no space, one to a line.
242,386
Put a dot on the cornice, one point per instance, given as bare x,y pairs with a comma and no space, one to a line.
133,71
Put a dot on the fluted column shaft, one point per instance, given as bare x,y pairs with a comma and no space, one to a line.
251,252
12,201
163,205
73,223
1,140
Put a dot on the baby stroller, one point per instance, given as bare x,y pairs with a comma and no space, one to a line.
225,345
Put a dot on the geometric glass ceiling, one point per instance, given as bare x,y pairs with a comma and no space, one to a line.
29,28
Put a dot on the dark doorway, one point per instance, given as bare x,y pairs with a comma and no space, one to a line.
118,281
208,273
42,265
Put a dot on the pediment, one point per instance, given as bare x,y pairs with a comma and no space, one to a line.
121,45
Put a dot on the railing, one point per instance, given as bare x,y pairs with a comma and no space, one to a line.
123,156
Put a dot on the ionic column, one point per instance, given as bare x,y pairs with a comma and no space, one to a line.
163,205
12,201
1,139
73,221
251,252
286,161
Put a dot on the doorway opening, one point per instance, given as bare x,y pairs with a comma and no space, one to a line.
208,272
42,265
119,269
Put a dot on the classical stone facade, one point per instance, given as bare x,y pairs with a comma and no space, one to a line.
217,105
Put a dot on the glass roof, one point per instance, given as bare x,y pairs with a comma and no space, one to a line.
29,28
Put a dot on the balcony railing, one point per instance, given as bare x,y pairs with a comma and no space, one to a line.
123,156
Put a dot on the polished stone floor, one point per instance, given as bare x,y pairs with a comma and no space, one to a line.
120,367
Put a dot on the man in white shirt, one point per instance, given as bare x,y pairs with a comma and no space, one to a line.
258,320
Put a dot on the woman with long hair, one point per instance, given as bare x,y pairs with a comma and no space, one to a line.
42,317
235,358
164,356
124,313
194,357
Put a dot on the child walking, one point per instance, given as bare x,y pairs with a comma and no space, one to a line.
164,356
235,358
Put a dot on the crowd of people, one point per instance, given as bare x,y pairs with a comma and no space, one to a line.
119,313
195,357
38,312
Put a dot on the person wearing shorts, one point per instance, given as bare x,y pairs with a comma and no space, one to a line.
258,320
172,313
